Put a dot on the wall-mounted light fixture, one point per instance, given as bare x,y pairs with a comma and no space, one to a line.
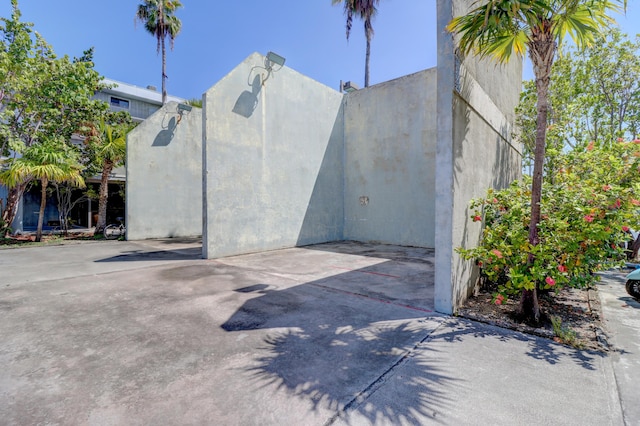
349,87
182,109
269,61
274,59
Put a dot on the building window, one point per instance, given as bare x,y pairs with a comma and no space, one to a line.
121,103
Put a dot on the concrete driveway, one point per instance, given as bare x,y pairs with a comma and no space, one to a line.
126,333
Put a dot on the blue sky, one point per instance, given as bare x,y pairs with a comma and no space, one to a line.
217,35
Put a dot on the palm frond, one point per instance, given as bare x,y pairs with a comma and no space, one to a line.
500,28
159,19
51,160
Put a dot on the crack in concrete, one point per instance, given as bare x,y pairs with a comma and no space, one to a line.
367,392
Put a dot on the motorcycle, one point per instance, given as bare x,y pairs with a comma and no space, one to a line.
633,284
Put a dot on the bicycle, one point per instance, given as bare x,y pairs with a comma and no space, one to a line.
113,231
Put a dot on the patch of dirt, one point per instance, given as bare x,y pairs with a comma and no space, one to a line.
28,240
579,311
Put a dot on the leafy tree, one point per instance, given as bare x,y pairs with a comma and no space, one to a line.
96,154
15,44
105,149
42,97
594,95
500,28
159,20
365,10
51,160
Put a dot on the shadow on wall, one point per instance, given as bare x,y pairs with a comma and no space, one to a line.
248,101
164,136
324,217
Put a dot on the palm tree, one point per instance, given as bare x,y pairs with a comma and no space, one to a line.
110,141
48,161
365,10
159,20
499,28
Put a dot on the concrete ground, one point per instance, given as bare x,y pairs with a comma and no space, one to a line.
115,333
622,319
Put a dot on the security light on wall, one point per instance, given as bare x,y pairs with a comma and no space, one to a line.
269,61
274,59
182,109
349,87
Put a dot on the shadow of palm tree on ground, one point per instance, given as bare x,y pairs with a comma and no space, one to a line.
337,367
337,340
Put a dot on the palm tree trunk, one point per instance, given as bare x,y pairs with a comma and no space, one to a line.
164,74
542,53
11,208
538,162
366,63
44,182
103,196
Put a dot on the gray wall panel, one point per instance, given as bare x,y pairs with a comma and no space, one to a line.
164,175
390,134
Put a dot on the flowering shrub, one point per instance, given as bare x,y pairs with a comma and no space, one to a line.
587,208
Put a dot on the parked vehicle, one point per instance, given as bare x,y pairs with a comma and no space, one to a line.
633,284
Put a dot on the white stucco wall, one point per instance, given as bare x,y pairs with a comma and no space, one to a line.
390,147
288,161
273,161
476,150
164,170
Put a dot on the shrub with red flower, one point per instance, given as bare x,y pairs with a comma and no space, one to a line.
584,222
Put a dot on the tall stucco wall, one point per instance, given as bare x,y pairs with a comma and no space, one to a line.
273,161
477,134
475,151
164,175
390,134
